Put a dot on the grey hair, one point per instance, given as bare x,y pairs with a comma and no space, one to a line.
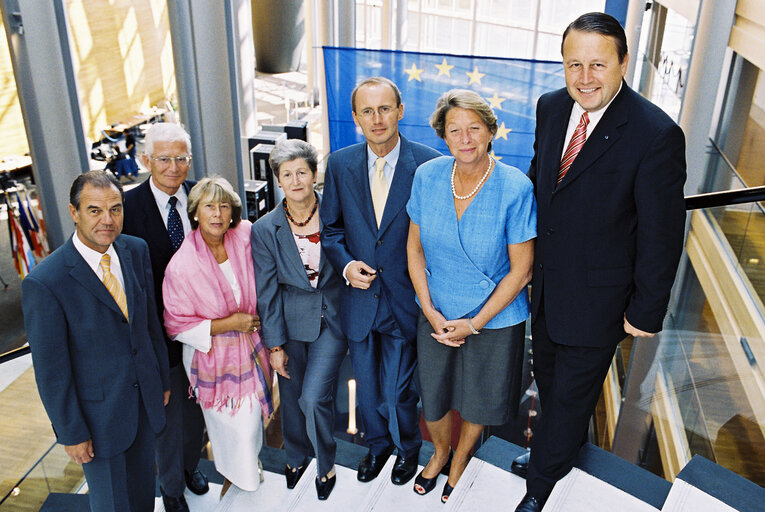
215,189
292,149
97,178
165,132
462,98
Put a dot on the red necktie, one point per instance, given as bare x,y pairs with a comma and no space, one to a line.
574,146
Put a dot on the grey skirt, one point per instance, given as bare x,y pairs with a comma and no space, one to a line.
481,379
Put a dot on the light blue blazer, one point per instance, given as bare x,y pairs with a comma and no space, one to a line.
466,259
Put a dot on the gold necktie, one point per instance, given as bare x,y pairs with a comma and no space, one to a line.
379,190
111,283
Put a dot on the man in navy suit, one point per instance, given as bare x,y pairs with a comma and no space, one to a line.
97,348
366,187
156,212
608,170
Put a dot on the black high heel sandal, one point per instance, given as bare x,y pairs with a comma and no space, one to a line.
446,492
293,475
428,484
323,489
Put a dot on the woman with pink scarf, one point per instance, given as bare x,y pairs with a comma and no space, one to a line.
210,307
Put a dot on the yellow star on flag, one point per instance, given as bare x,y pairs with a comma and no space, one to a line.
495,101
444,68
495,157
414,73
475,76
502,132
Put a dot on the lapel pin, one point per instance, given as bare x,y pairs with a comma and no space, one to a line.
606,137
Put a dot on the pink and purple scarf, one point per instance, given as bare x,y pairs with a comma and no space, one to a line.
237,366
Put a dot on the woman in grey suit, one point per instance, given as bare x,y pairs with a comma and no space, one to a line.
298,299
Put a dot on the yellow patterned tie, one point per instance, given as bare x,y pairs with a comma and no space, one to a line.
111,283
379,190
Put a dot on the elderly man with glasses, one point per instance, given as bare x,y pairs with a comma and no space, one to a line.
156,212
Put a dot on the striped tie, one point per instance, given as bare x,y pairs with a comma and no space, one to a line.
379,190
113,285
574,146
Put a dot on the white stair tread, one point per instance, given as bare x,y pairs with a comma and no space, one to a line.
683,497
581,492
486,488
385,496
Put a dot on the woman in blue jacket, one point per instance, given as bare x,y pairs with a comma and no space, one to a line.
470,250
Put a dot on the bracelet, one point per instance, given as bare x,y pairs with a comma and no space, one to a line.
275,349
472,329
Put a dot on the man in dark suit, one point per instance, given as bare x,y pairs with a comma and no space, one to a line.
366,187
156,212
608,169
97,348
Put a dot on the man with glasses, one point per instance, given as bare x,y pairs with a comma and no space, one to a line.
156,212
366,187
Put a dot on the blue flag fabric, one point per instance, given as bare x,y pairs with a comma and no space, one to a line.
510,86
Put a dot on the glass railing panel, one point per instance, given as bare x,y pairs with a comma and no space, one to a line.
710,352
53,473
662,86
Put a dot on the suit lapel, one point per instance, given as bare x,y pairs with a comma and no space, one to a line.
152,219
128,275
559,123
605,135
83,274
287,247
358,171
400,187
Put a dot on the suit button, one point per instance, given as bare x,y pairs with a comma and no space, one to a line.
540,266
379,270
135,385
323,306
484,284
377,295
379,242
550,231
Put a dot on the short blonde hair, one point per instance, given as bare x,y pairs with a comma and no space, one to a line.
215,189
462,98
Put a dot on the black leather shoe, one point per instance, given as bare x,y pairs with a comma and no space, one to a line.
174,504
404,469
196,481
520,465
293,475
529,504
323,489
371,465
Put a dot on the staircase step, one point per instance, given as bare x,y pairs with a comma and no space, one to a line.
683,497
487,488
579,491
703,486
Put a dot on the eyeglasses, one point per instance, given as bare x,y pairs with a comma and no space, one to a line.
383,110
181,161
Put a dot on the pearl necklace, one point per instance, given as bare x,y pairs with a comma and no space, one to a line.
485,175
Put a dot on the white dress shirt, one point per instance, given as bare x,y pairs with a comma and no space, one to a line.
163,203
576,116
93,259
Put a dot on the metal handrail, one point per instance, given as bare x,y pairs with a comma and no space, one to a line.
725,198
13,354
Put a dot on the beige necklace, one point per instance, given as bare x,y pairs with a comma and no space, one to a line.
485,175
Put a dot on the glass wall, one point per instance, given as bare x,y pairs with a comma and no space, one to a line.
528,29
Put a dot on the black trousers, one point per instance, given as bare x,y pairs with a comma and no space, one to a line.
569,380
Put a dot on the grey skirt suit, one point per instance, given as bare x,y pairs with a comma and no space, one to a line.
305,321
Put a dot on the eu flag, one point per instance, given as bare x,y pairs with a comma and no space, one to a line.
510,86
